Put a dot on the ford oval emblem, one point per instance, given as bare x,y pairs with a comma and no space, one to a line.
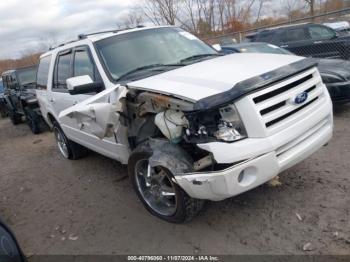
301,98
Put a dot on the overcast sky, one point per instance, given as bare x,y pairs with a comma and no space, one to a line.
28,25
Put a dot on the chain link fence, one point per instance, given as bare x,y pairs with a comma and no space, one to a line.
303,36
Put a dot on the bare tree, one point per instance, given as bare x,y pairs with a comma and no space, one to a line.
162,11
311,5
131,19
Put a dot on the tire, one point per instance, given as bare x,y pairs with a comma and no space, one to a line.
3,113
68,149
3,110
186,208
15,118
33,120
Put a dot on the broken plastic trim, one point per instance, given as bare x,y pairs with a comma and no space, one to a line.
253,84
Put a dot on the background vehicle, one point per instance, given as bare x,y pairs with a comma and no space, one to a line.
191,124
335,73
3,108
21,98
343,27
313,40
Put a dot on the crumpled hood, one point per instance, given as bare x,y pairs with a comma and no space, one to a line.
334,66
213,76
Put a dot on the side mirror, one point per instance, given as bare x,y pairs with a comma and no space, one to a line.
9,248
83,85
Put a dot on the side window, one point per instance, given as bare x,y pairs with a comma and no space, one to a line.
62,70
14,82
293,35
321,33
43,72
83,64
265,37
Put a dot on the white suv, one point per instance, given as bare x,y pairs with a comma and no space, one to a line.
192,125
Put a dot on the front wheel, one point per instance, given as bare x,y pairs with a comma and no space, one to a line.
158,192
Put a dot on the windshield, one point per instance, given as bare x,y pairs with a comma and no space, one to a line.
161,46
26,76
263,48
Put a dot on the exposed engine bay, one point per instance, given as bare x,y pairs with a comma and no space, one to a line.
150,115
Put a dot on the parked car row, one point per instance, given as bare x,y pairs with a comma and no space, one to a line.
190,123
335,73
308,39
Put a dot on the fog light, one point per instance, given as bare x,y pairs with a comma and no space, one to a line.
247,176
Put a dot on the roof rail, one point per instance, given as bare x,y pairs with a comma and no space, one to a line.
63,44
84,36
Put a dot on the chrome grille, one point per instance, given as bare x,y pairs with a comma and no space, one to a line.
276,103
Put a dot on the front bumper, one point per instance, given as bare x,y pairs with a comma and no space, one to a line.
264,157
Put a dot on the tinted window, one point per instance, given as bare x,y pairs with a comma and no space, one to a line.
27,77
1,87
62,71
293,35
43,72
265,37
83,64
320,32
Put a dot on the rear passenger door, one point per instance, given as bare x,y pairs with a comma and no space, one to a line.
59,97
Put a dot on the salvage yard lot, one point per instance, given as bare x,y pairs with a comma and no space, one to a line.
87,206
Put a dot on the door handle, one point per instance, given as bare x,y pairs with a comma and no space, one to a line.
284,46
318,42
52,100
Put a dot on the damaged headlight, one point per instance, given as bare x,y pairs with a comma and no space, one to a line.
222,124
230,127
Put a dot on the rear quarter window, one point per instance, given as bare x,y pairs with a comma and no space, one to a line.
43,72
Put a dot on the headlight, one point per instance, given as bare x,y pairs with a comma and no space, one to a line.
222,124
230,127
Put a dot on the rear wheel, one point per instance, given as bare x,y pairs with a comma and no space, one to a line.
159,193
15,117
33,120
3,110
68,149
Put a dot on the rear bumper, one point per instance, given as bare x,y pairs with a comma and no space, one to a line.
251,173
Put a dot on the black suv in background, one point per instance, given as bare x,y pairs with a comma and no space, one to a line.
20,97
307,40
3,109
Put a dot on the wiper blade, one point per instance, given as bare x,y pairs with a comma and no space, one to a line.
141,68
194,57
